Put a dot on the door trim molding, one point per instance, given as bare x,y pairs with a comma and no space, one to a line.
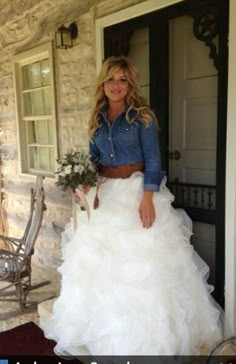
122,15
230,201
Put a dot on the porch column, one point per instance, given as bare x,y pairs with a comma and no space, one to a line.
230,218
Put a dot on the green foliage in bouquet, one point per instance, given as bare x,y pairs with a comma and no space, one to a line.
75,169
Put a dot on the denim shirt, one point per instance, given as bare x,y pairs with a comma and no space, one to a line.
120,143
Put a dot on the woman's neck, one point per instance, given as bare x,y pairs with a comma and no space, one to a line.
114,109
116,106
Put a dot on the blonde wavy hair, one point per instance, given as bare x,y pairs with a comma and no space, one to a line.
133,99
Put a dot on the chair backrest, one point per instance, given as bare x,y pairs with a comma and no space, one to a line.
32,202
36,216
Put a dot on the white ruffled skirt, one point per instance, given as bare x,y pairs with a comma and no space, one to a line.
127,290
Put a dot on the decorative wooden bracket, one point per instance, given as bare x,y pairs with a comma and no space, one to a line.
206,19
205,29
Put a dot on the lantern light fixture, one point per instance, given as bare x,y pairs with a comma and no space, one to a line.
65,36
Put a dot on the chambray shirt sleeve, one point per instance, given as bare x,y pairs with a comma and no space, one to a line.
152,157
93,152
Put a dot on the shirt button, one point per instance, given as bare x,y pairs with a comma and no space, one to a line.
109,138
112,155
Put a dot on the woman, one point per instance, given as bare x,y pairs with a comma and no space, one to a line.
131,283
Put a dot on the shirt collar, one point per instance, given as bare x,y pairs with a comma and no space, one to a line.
103,111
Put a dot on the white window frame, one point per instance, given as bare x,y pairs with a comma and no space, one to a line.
20,60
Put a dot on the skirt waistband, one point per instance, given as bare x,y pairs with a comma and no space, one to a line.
123,171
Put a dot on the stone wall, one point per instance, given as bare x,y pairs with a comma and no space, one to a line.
25,24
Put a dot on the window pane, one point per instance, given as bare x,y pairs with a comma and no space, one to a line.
52,159
27,104
45,132
47,101
44,159
34,75
37,102
39,132
45,72
41,158
50,133
31,131
33,157
42,132
25,77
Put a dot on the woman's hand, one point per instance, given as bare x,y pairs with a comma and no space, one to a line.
147,210
85,189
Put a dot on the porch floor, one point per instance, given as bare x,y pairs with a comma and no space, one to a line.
10,315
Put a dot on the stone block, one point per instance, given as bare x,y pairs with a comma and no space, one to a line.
8,151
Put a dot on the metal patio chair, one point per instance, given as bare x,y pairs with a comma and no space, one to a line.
15,257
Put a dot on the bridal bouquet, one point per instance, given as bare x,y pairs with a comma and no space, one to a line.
75,169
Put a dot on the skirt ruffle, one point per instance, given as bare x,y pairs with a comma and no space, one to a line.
127,290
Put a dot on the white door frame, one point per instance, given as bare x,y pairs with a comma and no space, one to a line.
230,202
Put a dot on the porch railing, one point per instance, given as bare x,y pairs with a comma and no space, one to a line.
198,200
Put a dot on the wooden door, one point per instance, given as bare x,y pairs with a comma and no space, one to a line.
193,83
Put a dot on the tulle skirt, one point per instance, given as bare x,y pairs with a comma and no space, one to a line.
127,290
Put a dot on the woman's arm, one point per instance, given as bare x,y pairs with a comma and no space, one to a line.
93,152
152,172
149,139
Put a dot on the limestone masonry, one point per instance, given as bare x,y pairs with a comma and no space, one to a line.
25,24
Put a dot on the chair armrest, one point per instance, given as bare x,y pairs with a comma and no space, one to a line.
9,254
11,243
3,237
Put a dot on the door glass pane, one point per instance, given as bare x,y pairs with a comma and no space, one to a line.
45,72
27,104
47,101
33,157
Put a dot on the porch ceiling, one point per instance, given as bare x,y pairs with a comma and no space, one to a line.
23,22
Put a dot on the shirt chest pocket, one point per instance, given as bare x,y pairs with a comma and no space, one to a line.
100,137
128,135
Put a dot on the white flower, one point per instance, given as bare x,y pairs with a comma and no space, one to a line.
68,169
80,169
76,160
91,168
62,174
76,169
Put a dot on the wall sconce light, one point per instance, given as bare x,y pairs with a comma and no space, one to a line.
65,36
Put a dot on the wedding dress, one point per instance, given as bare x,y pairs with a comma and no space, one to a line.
127,290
